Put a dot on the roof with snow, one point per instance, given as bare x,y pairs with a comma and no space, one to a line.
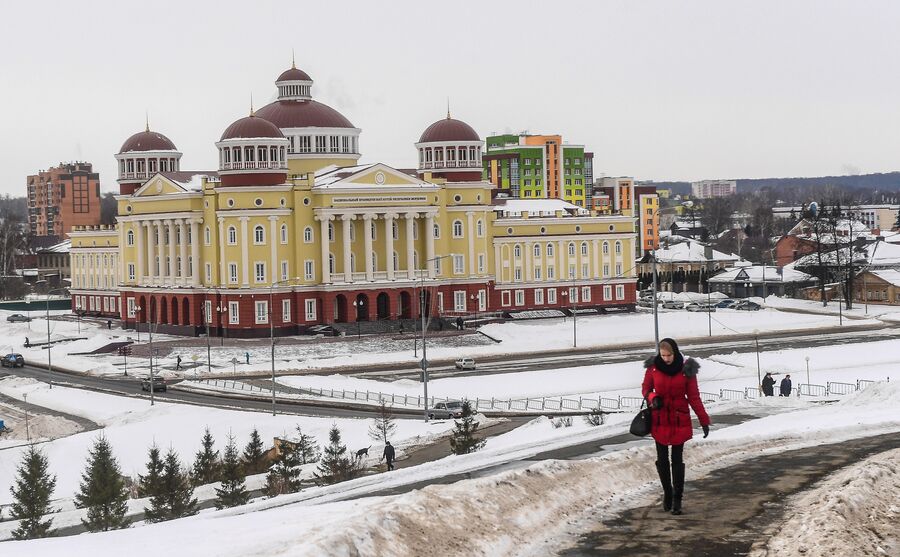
62,247
877,254
761,273
691,252
538,207
191,180
889,275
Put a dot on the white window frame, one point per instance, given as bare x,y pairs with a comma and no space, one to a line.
310,309
209,272
231,235
129,303
285,311
308,235
585,293
620,292
129,238
458,229
261,311
131,271
607,292
232,273
618,269
259,272
284,233
538,296
606,269
259,235
520,297
551,295
459,300
309,269
234,313
481,263
505,298
207,311
207,236
479,228
285,270
551,272
537,273
459,264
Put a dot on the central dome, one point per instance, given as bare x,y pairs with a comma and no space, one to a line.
303,114
449,129
251,127
293,74
147,141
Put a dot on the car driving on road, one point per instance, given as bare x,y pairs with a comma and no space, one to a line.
672,304
159,384
18,318
448,409
12,360
465,363
700,306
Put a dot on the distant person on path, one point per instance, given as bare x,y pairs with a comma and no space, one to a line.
109,324
388,455
247,357
459,323
27,344
178,362
401,328
768,384
785,386
670,387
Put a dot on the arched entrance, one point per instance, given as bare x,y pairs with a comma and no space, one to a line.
361,303
185,312
175,311
163,311
142,313
405,305
383,305
340,309
154,315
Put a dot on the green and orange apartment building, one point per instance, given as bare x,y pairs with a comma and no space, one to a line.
539,166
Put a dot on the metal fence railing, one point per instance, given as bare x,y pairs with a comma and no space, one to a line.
564,403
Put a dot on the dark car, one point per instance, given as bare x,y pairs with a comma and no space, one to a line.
18,318
726,303
13,360
159,384
747,305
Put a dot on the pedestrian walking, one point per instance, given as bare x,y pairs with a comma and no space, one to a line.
785,386
768,384
670,387
459,323
388,455
178,361
27,344
247,357
109,324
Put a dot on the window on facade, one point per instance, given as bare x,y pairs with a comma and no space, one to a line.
537,273
206,236
308,235
585,271
234,313
285,311
331,232
586,294
481,263
505,297
620,292
479,228
549,250
551,295
130,238
310,307
131,271
538,297
571,249
551,273
517,251
232,236
537,250
284,234
309,269
606,269
605,248
618,269
259,235
208,272
520,297
232,273
517,276
457,229
618,248
459,300
262,311
320,144
284,270
459,265
260,273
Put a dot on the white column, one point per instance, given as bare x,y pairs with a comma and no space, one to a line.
389,244
367,235
529,267
172,266
245,252
345,237
222,241
120,264
470,225
410,224
429,243
195,252
138,228
151,252
498,265
182,250
596,247
160,251
562,272
274,273
323,234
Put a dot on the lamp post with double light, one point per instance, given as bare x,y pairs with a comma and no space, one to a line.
423,309
50,346
272,329
687,204
572,294
150,341
358,306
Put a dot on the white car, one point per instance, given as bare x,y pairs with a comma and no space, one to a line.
465,363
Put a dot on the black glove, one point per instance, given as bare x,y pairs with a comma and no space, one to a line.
657,403
705,431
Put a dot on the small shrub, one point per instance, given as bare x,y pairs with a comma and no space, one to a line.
564,421
595,417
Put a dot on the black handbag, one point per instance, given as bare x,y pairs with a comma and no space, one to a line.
640,425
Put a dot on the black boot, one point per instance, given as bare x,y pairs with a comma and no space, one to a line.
678,485
665,478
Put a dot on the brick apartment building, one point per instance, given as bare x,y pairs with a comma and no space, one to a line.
62,197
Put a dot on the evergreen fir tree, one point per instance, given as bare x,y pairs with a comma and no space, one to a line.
149,485
384,427
31,492
283,476
103,492
254,459
206,462
463,440
232,492
335,465
175,497
307,448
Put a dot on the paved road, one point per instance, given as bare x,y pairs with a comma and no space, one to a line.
728,511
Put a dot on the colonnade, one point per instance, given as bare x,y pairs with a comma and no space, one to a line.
157,259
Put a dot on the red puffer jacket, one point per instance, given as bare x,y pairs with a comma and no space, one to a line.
671,424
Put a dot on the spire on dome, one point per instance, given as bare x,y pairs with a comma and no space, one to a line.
252,112
448,108
147,119
293,60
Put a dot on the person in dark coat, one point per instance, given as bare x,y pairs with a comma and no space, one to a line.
388,455
768,384
670,387
785,386
459,323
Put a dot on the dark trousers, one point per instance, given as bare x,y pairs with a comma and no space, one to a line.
390,463
662,454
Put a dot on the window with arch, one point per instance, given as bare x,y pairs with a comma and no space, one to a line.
331,263
130,238
373,229
584,248
517,251
479,228
605,248
308,234
437,231
537,250
206,236
395,230
396,261
457,229
331,232
618,248
232,236
549,250
284,234
259,235
571,248
352,262
352,232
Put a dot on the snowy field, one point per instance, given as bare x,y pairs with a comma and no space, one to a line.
307,354
545,506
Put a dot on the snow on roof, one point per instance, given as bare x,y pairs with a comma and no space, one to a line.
890,275
62,247
538,207
691,252
191,180
877,254
760,273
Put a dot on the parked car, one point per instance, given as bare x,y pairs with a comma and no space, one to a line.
645,302
13,360
18,318
448,409
700,306
673,304
465,363
159,384
747,305
726,303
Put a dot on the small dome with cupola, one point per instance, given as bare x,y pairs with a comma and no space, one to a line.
450,149
143,155
252,152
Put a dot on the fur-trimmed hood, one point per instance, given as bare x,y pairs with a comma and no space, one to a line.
690,369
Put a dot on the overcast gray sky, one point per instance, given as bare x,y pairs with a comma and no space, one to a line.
657,90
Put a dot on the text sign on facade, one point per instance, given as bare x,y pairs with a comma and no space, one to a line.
381,199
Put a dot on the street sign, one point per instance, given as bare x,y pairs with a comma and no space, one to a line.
423,364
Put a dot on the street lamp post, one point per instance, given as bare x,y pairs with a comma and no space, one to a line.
358,306
221,310
758,368
150,341
27,429
272,330
50,346
807,373
572,294
423,311
659,211
206,320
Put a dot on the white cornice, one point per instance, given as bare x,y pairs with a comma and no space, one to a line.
161,197
580,236
252,212
77,233
160,216
253,189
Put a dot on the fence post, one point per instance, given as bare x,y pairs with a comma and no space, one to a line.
544,403
492,403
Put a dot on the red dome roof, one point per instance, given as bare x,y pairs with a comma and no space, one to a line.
449,129
294,74
303,114
250,127
147,141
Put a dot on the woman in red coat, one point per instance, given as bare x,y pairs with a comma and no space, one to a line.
670,387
